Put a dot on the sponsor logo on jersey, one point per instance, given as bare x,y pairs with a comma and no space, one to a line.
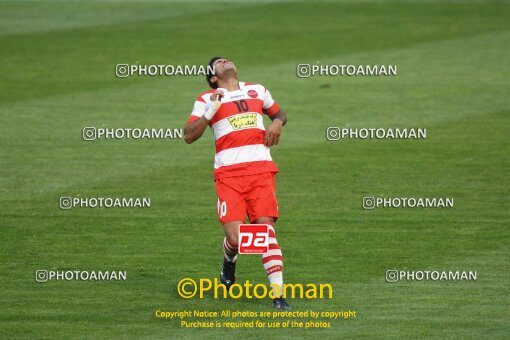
253,93
243,121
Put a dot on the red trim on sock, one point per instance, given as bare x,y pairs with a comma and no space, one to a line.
232,245
227,244
274,269
272,257
273,246
227,248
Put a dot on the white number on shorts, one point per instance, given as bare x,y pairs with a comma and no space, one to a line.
222,208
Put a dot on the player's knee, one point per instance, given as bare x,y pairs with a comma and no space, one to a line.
231,233
232,237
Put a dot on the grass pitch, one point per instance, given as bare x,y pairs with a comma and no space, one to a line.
57,76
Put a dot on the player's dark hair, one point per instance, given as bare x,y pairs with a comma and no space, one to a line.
210,74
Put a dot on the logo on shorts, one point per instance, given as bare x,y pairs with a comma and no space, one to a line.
253,93
243,121
253,238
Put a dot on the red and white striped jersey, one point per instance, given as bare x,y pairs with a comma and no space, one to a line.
238,130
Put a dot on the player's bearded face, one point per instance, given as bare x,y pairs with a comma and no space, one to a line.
223,67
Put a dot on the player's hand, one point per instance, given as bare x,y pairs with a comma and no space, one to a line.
216,98
273,133
216,103
217,95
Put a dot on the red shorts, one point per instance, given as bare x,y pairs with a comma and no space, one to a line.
252,195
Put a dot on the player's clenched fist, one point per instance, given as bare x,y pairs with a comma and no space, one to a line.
216,103
217,95
273,132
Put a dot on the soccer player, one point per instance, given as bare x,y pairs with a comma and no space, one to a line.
244,171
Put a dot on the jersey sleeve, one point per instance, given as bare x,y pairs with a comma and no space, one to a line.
198,111
270,107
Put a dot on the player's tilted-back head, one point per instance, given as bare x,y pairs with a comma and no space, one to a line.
210,74
222,68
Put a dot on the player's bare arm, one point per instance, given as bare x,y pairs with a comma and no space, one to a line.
274,130
195,130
